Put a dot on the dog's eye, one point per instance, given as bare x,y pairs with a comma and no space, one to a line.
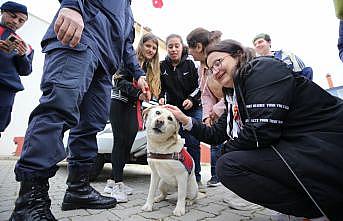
158,112
170,118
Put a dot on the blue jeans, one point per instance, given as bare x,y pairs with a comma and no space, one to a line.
76,95
192,144
215,154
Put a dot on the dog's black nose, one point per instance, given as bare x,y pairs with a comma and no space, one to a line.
159,123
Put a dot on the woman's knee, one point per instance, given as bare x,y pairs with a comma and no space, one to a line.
222,166
228,166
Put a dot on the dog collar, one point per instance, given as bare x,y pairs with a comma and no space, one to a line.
167,156
183,156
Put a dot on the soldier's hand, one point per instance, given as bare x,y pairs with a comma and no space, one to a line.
69,26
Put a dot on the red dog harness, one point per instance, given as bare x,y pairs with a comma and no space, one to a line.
183,156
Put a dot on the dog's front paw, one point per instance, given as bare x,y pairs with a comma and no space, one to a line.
178,211
147,207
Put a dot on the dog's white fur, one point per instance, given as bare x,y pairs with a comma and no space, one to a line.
169,175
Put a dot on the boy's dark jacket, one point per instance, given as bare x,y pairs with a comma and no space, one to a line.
12,65
302,120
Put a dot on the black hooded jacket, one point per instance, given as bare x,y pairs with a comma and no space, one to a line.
302,120
123,86
181,82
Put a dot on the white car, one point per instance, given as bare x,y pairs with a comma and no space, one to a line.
105,145
138,154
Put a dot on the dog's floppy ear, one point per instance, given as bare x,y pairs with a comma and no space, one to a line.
145,113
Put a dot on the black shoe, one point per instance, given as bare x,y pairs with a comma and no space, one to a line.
80,195
86,198
213,182
33,203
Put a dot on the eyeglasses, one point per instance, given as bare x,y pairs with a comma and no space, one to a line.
216,65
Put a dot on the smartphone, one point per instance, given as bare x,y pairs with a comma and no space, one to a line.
11,38
10,41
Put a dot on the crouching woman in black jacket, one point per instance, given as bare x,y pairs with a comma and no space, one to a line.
283,130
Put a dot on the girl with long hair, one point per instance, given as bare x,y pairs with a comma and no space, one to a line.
125,112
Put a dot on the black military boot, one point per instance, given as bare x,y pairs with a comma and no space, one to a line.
80,195
33,203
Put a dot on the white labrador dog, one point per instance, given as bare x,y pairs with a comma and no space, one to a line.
166,157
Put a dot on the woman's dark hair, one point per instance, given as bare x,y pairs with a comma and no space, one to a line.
250,52
234,48
174,36
203,36
184,47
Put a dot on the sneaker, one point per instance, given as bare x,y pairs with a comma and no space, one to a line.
201,187
109,186
119,193
111,183
213,182
128,190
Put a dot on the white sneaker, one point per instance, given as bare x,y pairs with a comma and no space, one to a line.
111,183
128,190
109,186
119,193
201,187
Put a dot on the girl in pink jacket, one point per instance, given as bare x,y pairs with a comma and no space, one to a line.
211,92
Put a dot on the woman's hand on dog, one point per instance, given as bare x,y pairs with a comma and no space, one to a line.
179,115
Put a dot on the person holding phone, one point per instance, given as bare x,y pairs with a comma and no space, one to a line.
15,58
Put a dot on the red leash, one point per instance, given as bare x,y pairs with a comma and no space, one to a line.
138,108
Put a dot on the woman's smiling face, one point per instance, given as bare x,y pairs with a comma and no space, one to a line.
149,49
222,66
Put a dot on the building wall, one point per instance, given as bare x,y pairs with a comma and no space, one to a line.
25,101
